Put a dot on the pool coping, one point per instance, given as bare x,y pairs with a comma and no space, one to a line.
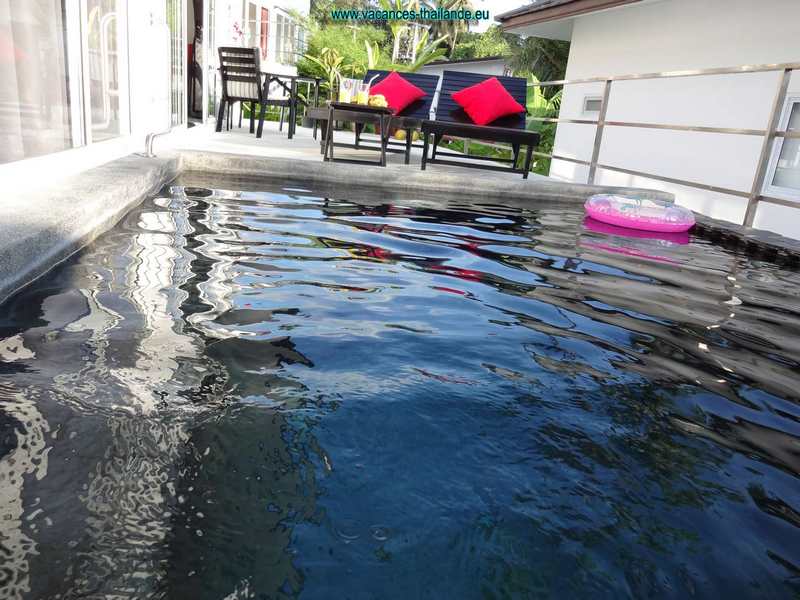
43,227
401,178
760,243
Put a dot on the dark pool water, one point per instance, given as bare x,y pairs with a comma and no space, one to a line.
273,394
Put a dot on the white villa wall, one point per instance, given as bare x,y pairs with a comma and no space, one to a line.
669,35
287,7
487,67
236,12
149,60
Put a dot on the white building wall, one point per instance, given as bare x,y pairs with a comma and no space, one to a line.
149,60
287,8
487,67
669,35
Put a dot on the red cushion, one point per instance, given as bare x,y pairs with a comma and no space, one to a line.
487,101
397,90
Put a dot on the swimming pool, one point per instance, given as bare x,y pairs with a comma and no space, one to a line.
259,391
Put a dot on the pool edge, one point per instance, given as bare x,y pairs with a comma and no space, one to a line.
41,228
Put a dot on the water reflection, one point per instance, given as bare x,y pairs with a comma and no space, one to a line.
273,394
23,453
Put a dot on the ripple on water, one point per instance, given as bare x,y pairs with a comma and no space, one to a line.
272,393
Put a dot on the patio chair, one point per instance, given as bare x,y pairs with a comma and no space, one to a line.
240,69
286,99
451,120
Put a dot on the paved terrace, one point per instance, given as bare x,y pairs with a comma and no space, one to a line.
276,144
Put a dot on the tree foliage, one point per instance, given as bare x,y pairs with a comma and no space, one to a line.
348,41
546,59
492,42
320,10
543,58
348,50
450,30
362,46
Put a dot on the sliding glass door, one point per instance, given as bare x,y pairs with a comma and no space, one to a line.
176,20
63,75
36,115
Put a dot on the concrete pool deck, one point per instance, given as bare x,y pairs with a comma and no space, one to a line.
303,147
42,226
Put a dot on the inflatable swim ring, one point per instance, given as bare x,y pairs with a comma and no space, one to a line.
639,214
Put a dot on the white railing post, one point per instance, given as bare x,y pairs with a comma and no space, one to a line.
766,148
598,135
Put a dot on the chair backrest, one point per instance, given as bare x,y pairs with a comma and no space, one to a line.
241,73
452,81
419,109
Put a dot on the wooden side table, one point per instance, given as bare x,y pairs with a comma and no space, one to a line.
357,113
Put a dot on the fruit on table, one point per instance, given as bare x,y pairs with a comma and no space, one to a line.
400,134
415,136
378,100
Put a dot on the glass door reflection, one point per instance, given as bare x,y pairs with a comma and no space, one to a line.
105,72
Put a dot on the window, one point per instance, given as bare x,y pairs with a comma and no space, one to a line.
36,109
592,104
63,75
104,32
289,39
280,37
264,32
783,177
251,26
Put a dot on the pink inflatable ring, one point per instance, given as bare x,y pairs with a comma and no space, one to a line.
639,214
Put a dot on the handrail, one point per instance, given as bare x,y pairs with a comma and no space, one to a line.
754,195
669,74
733,130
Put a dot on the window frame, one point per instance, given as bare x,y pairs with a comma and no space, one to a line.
123,57
769,189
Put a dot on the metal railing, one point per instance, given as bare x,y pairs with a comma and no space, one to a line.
754,195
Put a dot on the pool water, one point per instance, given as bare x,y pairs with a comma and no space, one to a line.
275,394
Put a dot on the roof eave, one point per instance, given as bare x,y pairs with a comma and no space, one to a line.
530,15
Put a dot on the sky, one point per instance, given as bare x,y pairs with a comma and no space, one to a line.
495,7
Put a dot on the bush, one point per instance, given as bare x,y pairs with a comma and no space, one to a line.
492,42
349,41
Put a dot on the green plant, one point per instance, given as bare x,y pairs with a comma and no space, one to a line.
541,106
373,54
350,42
538,104
330,61
426,51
